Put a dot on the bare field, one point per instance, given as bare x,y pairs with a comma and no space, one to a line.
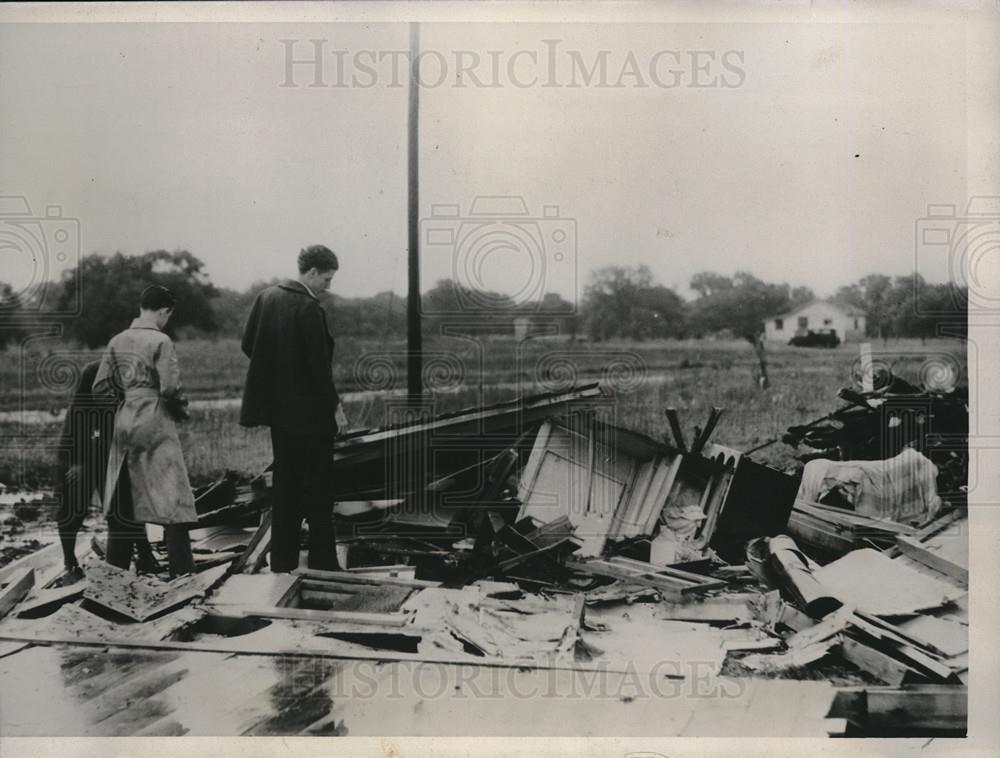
645,377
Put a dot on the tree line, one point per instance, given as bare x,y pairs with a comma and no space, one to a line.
618,302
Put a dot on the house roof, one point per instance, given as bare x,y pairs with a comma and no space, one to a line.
845,310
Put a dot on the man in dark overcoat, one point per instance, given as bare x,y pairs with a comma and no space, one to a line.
289,388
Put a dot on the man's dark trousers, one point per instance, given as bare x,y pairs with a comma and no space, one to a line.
302,488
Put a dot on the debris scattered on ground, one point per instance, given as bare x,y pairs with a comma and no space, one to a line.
536,535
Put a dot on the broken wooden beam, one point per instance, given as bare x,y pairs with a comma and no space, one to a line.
877,663
918,710
675,429
922,554
253,557
333,617
671,587
351,578
17,587
700,582
704,435
45,601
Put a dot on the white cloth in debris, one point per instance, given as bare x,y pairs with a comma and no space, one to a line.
902,489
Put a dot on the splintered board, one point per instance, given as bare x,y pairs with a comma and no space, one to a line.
141,597
672,583
946,552
15,590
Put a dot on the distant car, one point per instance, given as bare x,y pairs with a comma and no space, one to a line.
815,338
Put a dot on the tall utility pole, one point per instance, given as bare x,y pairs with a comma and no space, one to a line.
414,341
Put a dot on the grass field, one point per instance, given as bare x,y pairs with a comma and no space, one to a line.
645,378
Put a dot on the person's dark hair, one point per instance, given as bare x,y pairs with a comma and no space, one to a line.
155,297
318,257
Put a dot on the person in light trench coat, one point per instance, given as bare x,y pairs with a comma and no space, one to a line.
147,481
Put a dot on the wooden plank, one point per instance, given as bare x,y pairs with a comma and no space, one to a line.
533,466
399,570
253,557
713,419
949,638
44,561
257,589
517,560
919,708
44,601
882,629
591,465
920,552
938,525
866,658
328,650
850,705
649,575
630,517
922,660
525,410
204,561
347,577
17,587
671,589
793,618
306,614
657,496
807,532
717,491
223,538
731,646
675,429
9,648
725,609
699,580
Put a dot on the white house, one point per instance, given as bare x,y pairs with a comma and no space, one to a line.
848,323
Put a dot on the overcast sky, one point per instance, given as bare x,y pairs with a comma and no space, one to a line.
808,159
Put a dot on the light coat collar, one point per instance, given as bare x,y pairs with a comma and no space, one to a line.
144,323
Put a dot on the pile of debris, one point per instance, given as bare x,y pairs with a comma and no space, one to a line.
539,535
893,419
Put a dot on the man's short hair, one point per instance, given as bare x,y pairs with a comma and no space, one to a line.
155,297
317,257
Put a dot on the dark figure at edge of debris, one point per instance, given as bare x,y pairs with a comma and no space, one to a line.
81,467
289,388
147,481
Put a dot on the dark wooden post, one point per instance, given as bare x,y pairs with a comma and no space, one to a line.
759,348
414,341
